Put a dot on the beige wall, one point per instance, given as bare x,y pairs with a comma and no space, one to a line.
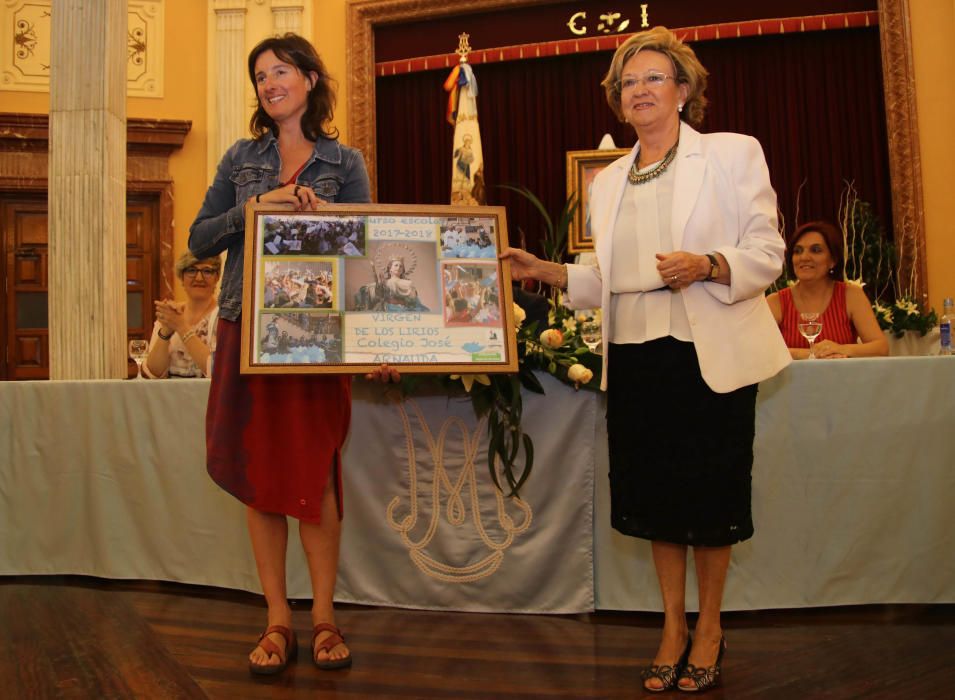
184,97
329,33
186,21
933,25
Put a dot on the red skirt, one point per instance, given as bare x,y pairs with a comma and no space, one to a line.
272,440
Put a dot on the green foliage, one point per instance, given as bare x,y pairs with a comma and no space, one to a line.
870,255
554,242
904,315
872,259
510,450
498,396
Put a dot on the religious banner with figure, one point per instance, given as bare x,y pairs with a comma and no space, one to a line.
467,160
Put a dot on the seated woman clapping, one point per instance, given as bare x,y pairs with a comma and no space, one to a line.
849,326
184,335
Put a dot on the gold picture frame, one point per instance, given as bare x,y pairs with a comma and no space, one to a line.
347,287
582,167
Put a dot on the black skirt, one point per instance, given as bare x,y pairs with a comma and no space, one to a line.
681,455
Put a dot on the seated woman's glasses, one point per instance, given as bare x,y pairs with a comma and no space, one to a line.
204,271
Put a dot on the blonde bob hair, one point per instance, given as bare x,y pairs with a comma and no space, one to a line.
689,71
187,259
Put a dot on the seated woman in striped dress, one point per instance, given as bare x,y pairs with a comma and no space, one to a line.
849,326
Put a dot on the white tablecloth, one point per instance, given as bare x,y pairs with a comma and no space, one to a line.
853,488
108,478
853,482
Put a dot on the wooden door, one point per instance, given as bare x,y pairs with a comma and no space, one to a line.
23,313
142,264
26,347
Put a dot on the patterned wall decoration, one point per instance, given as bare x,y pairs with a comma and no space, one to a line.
25,46
144,31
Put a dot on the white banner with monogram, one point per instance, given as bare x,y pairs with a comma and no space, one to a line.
425,527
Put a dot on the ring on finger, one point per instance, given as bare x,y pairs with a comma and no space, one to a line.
674,278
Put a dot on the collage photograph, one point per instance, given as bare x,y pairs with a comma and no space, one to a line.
300,338
314,235
299,284
471,294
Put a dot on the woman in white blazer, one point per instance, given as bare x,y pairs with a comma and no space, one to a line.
686,240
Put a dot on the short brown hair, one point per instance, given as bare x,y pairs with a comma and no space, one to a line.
187,259
320,107
834,242
689,71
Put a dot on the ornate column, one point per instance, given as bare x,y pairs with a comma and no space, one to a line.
287,16
905,159
231,112
87,190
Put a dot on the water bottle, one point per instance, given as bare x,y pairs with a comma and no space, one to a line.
945,327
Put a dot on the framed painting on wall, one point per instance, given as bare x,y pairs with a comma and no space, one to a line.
348,287
582,168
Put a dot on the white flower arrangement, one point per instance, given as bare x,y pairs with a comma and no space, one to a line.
871,261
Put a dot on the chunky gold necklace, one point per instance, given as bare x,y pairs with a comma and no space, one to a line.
637,178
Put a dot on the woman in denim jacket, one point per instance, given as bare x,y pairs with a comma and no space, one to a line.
274,442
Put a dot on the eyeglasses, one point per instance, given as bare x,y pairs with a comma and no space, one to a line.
652,79
191,272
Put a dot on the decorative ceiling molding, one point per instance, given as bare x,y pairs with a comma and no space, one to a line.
563,47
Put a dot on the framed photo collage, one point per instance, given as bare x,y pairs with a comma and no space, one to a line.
351,286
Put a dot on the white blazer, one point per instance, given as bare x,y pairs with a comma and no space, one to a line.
723,202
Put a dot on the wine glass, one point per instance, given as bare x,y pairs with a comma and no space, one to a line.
590,334
138,349
810,326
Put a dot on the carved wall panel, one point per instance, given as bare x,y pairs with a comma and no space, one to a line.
24,166
25,36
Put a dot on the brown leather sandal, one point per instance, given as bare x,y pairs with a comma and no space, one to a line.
329,643
270,647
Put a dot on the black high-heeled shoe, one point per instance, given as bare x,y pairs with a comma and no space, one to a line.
703,678
667,675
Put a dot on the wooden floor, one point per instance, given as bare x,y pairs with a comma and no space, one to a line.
74,637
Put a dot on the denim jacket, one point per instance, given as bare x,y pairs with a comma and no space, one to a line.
335,172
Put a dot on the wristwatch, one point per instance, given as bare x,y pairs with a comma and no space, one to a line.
714,267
